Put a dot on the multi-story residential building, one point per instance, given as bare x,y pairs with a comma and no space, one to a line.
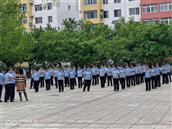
92,10
154,11
26,8
53,12
109,11
113,10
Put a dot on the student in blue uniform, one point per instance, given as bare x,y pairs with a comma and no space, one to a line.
128,75
47,78
169,72
102,76
2,80
79,76
36,78
42,76
66,76
165,74
153,77
60,78
55,77
72,75
132,73
157,77
87,79
13,82
51,74
148,78
8,88
94,73
115,74
32,81
109,75
122,77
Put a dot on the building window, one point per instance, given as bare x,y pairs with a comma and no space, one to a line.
166,7
151,21
88,2
166,21
24,20
105,1
133,11
38,7
38,20
69,7
117,1
117,13
90,14
150,8
170,6
49,6
23,7
50,19
105,14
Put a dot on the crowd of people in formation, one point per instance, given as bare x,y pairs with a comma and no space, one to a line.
116,76
120,77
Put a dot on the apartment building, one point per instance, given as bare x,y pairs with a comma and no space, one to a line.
154,11
26,8
109,11
53,12
91,10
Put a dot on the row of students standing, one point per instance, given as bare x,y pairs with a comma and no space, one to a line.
111,74
153,77
9,80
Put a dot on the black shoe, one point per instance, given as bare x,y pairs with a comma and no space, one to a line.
1,101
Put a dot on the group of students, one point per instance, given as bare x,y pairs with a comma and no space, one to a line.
12,80
126,76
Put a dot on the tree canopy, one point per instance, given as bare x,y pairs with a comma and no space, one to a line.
81,42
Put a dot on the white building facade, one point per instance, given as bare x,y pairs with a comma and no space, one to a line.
53,12
113,10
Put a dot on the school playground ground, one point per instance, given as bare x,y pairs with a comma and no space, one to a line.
99,109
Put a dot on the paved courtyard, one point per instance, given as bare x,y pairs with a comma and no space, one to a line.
132,108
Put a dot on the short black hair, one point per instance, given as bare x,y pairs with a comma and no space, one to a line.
20,71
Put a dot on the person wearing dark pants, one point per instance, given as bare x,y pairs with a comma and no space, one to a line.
60,78
47,78
8,89
2,79
102,77
128,74
66,79
1,87
122,77
66,76
157,76
36,77
79,75
94,73
31,83
12,83
109,76
72,75
31,80
132,75
55,77
42,76
61,85
115,74
148,79
87,79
